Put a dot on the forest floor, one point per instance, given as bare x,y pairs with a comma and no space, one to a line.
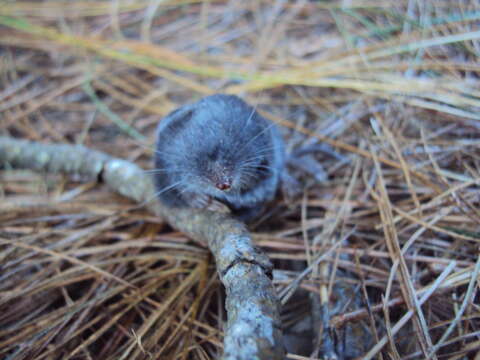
385,94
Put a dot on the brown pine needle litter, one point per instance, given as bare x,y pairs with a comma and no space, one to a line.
379,104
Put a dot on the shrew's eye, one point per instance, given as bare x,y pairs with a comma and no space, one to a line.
213,155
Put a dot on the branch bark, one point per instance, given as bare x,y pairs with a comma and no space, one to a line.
253,326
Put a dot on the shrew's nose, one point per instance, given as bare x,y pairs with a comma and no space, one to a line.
224,185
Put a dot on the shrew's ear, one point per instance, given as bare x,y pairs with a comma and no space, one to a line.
176,120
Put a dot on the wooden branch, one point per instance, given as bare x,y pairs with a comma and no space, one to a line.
253,327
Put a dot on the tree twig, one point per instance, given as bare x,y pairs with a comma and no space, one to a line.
253,327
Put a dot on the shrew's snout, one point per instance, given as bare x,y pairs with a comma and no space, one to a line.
223,185
221,176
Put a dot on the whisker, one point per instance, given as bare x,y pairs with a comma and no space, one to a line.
243,183
167,153
256,136
248,174
183,191
168,187
261,153
254,108
252,163
158,193
258,167
156,171
143,145
253,160
155,150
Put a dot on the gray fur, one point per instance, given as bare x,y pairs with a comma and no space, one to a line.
218,132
